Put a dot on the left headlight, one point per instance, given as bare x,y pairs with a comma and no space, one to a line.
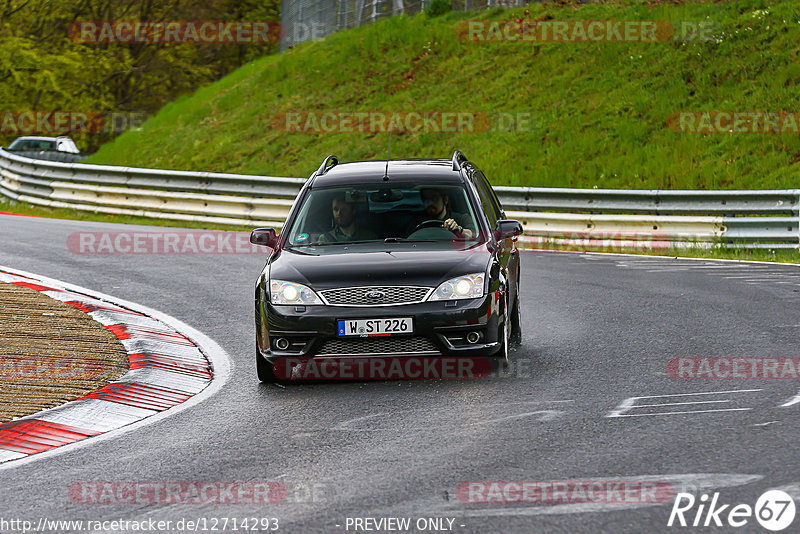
463,287
282,292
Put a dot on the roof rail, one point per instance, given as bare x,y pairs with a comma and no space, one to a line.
458,158
324,167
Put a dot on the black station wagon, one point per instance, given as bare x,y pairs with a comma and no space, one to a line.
398,258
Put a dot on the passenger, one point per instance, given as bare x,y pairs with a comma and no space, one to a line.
345,228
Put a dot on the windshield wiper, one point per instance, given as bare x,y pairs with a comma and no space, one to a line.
319,244
406,240
327,244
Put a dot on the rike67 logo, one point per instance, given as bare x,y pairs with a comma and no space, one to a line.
774,510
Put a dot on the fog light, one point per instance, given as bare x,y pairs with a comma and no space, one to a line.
281,343
473,337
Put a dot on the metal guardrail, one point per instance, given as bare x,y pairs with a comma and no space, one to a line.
655,202
753,219
174,195
580,219
51,155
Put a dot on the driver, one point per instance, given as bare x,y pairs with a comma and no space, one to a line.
345,228
437,207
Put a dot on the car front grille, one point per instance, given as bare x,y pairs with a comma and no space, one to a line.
375,295
378,346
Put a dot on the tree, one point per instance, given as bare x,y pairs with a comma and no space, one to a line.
45,67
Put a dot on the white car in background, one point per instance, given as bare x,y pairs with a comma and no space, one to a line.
35,144
60,148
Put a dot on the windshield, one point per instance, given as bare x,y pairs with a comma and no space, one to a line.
384,213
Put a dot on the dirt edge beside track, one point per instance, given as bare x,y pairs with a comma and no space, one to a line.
50,353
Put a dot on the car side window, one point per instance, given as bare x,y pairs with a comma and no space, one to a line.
486,199
492,196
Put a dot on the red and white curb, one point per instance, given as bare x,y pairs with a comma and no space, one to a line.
171,367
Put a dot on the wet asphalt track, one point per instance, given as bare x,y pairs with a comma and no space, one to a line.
597,331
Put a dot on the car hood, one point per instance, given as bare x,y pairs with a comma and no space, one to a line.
426,268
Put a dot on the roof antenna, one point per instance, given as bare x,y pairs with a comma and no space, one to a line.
388,152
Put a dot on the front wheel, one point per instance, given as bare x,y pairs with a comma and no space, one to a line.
504,335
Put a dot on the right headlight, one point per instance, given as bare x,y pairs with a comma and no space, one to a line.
469,286
282,292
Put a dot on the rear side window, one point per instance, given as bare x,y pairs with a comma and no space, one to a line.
492,195
32,144
488,201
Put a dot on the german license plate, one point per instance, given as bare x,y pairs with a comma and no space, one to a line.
376,327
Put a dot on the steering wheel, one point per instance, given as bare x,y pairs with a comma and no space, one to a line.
429,223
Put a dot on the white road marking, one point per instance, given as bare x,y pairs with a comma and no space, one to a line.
624,406
750,273
792,489
680,413
352,425
701,393
732,267
660,262
678,403
765,424
649,265
629,404
635,257
765,276
791,402
533,402
753,282
544,415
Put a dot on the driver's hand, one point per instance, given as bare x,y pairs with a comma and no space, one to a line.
450,224
453,226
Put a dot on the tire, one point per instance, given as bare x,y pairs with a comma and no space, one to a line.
516,324
264,369
505,339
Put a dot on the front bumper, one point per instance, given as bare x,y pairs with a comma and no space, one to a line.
440,328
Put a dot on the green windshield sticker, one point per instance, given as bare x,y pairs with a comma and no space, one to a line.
302,237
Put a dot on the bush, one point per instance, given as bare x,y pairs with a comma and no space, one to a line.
438,7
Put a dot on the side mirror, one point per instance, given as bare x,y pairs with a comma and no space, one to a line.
506,228
264,236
